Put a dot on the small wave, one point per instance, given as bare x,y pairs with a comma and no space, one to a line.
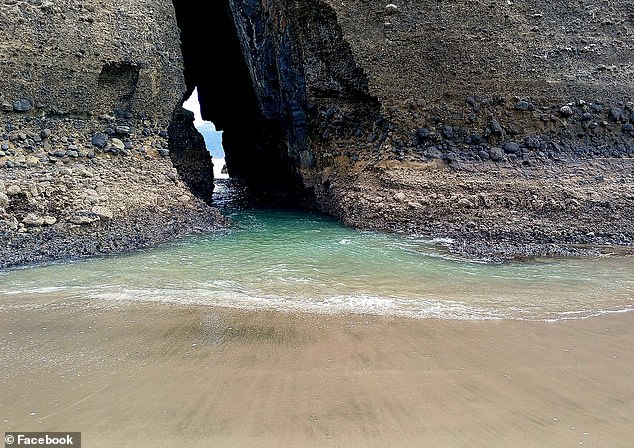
229,294
38,290
340,304
442,241
587,314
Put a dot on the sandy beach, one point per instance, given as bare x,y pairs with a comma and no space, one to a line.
149,375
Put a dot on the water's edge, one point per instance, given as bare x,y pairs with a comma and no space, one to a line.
294,261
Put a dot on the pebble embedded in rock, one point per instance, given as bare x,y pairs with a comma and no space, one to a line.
50,220
104,213
522,105
466,203
391,8
566,111
423,134
99,140
83,218
117,144
474,139
13,190
616,114
434,152
511,148
164,152
23,105
450,157
4,200
496,128
33,220
496,154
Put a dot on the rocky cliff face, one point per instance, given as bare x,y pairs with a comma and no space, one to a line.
553,78
460,81
87,92
466,119
86,58
456,81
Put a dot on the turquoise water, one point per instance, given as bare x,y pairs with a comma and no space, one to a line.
303,262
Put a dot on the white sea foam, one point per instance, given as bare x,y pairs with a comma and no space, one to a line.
340,304
230,294
35,290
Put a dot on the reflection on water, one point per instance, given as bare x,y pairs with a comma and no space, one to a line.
297,261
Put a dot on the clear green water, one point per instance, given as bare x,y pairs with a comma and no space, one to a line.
291,261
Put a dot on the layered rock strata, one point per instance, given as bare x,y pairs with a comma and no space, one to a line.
87,93
507,127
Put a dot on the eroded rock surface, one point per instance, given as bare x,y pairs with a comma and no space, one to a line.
88,90
528,103
505,126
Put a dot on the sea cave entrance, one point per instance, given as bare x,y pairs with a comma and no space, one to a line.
217,69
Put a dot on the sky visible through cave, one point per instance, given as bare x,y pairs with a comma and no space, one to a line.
213,137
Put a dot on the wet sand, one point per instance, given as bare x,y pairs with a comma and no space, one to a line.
148,375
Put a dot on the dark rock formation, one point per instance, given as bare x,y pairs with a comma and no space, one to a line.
285,77
338,105
190,156
316,80
215,65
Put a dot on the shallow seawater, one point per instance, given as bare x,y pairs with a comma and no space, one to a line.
305,262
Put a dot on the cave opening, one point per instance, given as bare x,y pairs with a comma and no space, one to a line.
216,68
211,135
